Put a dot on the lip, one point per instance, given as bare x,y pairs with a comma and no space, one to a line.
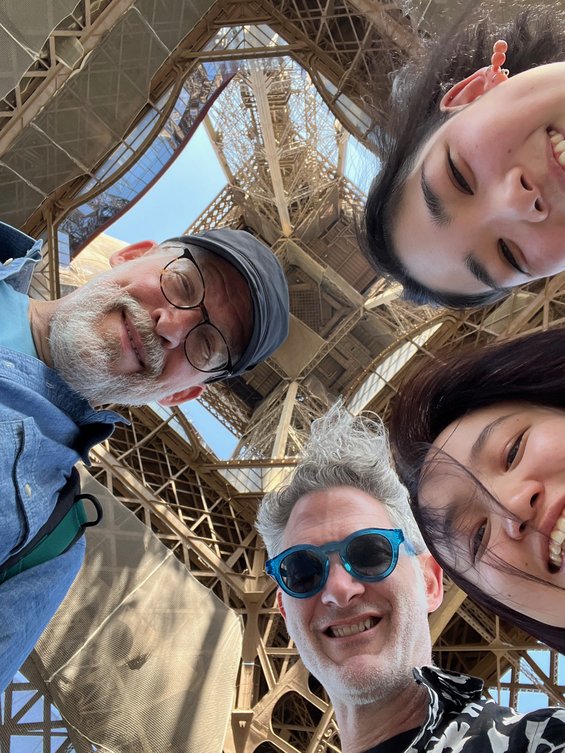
353,621
131,341
556,171
547,523
546,526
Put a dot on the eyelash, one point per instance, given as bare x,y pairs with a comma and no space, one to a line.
509,256
478,541
509,461
458,178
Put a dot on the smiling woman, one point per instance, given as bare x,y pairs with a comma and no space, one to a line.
470,200
478,441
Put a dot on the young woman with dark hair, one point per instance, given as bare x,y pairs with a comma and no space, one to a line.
470,200
479,441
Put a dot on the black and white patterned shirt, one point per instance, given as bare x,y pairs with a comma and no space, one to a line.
461,721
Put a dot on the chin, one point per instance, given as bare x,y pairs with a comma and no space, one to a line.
362,683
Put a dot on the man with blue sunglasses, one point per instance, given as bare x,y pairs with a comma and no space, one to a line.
355,587
370,554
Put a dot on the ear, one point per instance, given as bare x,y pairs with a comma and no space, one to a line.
471,88
280,604
183,396
133,251
433,578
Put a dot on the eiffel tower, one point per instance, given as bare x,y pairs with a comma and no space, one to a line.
97,100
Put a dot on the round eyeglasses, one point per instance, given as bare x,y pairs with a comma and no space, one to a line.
182,284
370,554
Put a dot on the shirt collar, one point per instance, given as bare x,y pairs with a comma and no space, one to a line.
447,691
14,243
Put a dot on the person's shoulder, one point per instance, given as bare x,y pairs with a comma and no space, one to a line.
536,731
544,729
551,717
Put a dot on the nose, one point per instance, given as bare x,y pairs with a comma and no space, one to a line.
521,506
172,324
520,198
341,588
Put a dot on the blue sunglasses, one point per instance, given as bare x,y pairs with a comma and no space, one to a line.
370,554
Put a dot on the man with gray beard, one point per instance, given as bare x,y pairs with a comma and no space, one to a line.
163,322
355,586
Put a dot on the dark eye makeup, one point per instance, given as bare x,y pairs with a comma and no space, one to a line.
457,177
478,541
510,258
513,451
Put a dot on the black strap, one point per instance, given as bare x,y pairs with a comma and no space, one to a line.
63,528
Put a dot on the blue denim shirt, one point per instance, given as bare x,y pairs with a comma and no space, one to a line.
45,428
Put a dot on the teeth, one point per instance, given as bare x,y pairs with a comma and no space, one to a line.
556,539
344,630
558,141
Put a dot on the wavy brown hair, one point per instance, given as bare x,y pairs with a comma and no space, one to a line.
528,369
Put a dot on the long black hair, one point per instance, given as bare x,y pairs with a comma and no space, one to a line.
528,369
535,36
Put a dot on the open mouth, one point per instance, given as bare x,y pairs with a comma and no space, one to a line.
557,545
558,146
343,631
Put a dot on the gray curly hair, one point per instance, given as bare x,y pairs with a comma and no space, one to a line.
343,450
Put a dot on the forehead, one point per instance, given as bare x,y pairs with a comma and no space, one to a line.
332,514
419,241
458,438
204,257
459,468
228,297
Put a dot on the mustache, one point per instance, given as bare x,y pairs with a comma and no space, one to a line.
154,354
85,357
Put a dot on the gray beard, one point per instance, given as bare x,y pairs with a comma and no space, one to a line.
358,687
84,357
408,646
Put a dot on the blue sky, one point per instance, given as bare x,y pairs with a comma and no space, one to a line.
178,198
194,179
185,190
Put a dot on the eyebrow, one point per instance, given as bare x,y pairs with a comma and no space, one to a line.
434,204
478,270
481,440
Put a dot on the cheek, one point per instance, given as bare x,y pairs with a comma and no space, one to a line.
296,626
144,283
548,447
295,611
480,140
510,588
548,250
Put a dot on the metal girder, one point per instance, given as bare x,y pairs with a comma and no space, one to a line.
259,84
97,19
283,187
379,15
